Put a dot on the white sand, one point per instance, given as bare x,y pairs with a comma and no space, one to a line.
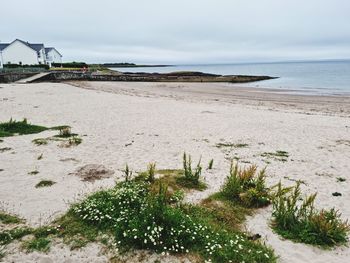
161,121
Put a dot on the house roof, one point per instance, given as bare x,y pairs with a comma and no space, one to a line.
36,47
3,46
48,49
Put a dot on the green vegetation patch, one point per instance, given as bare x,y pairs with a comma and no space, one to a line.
301,222
7,236
278,155
44,183
232,145
76,232
341,179
13,127
34,172
143,219
10,219
37,244
246,186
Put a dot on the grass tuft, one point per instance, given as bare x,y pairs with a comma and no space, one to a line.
297,219
278,155
10,219
7,236
44,183
232,145
37,244
246,186
13,127
40,141
34,172
191,178
211,163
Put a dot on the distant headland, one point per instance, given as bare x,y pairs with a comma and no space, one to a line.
131,65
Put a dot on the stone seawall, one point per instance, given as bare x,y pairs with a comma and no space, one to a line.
13,77
149,77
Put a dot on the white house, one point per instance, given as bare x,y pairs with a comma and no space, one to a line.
52,56
25,53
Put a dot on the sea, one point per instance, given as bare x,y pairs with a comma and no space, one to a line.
307,77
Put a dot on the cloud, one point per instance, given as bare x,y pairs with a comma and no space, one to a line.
191,31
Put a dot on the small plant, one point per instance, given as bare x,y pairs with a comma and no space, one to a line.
39,244
75,141
65,132
7,236
232,145
40,141
151,169
5,149
246,186
40,156
127,173
296,218
211,162
44,183
191,176
34,172
9,219
341,179
278,155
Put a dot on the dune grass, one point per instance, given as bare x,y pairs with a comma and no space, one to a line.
246,186
295,218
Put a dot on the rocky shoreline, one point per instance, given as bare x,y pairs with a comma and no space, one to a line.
58,76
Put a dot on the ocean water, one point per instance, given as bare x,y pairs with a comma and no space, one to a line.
322,77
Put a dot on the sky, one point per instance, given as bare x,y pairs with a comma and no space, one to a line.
182,31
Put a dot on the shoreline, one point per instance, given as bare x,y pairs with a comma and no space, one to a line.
228,93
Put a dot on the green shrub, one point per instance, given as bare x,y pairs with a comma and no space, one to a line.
246,186
296,218
71,65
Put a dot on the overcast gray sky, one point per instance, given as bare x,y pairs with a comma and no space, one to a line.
182,31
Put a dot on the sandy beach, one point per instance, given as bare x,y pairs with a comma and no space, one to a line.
137,123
